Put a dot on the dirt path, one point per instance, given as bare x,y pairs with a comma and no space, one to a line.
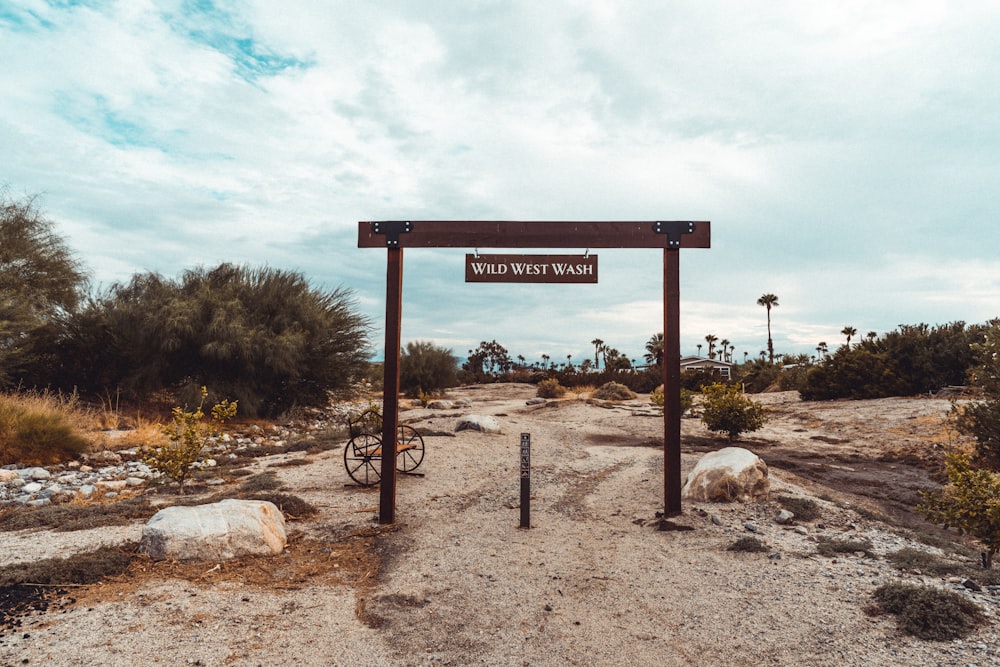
456,582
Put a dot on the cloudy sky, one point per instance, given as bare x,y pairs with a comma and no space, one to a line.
847,154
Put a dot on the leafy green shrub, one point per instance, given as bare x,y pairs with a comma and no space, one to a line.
687,398
981,420
188,435
969,502
727,410
262,336
748,544
425,367
36,430
927,612
612,391
550,388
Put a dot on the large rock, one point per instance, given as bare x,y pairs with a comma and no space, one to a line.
483,423
732,473
219,531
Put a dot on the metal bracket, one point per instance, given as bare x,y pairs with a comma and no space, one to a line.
673,229
392,229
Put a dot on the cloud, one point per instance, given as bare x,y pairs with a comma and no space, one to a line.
846,155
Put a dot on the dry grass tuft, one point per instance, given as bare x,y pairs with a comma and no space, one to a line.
43,427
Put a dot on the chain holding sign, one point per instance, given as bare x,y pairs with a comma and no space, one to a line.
531,268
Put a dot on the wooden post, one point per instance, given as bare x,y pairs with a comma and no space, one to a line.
390,383
671,383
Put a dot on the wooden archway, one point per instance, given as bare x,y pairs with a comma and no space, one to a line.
670,236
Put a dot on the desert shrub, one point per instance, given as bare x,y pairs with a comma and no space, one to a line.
981,419
915,559
70,517
83,568
927,612
727,410
425,367
756,375
613,391
748,544
804,509
969,502
292,506
262,336
38,429
550,388
188,434
828,546
687,398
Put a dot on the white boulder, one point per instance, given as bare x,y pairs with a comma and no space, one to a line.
483,423
219,531
732,473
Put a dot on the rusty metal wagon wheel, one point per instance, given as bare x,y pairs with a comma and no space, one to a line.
363,459
409,449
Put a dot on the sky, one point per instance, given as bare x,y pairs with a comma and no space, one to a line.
847,154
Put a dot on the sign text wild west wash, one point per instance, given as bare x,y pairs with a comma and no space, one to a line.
531,268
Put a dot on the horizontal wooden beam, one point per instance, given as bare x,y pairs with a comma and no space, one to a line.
532,234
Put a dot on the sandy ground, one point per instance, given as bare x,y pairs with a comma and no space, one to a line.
593,582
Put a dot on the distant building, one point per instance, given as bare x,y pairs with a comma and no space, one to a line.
723,368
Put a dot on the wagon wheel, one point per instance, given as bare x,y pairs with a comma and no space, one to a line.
409,449
363,459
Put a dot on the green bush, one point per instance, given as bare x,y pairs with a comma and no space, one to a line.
188,435
613,391
550,388
687,398
727,410
981,419
426,368
969,502
262,336
927,612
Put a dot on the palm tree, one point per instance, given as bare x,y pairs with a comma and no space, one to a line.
823,348
598,346
545,360
654,349
769,301
724,344
850,332
699,349
710,339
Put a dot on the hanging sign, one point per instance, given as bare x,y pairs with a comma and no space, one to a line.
531,268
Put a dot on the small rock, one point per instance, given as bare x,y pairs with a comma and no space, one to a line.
784,517
801,530
716,520
750,527
538,400
31,487
971,585
774,556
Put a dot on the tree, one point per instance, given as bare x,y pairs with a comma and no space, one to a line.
488,361
969,502
850,332
598,348
726,409
769,301
710,339
724,344
654,349
40,283
425,367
